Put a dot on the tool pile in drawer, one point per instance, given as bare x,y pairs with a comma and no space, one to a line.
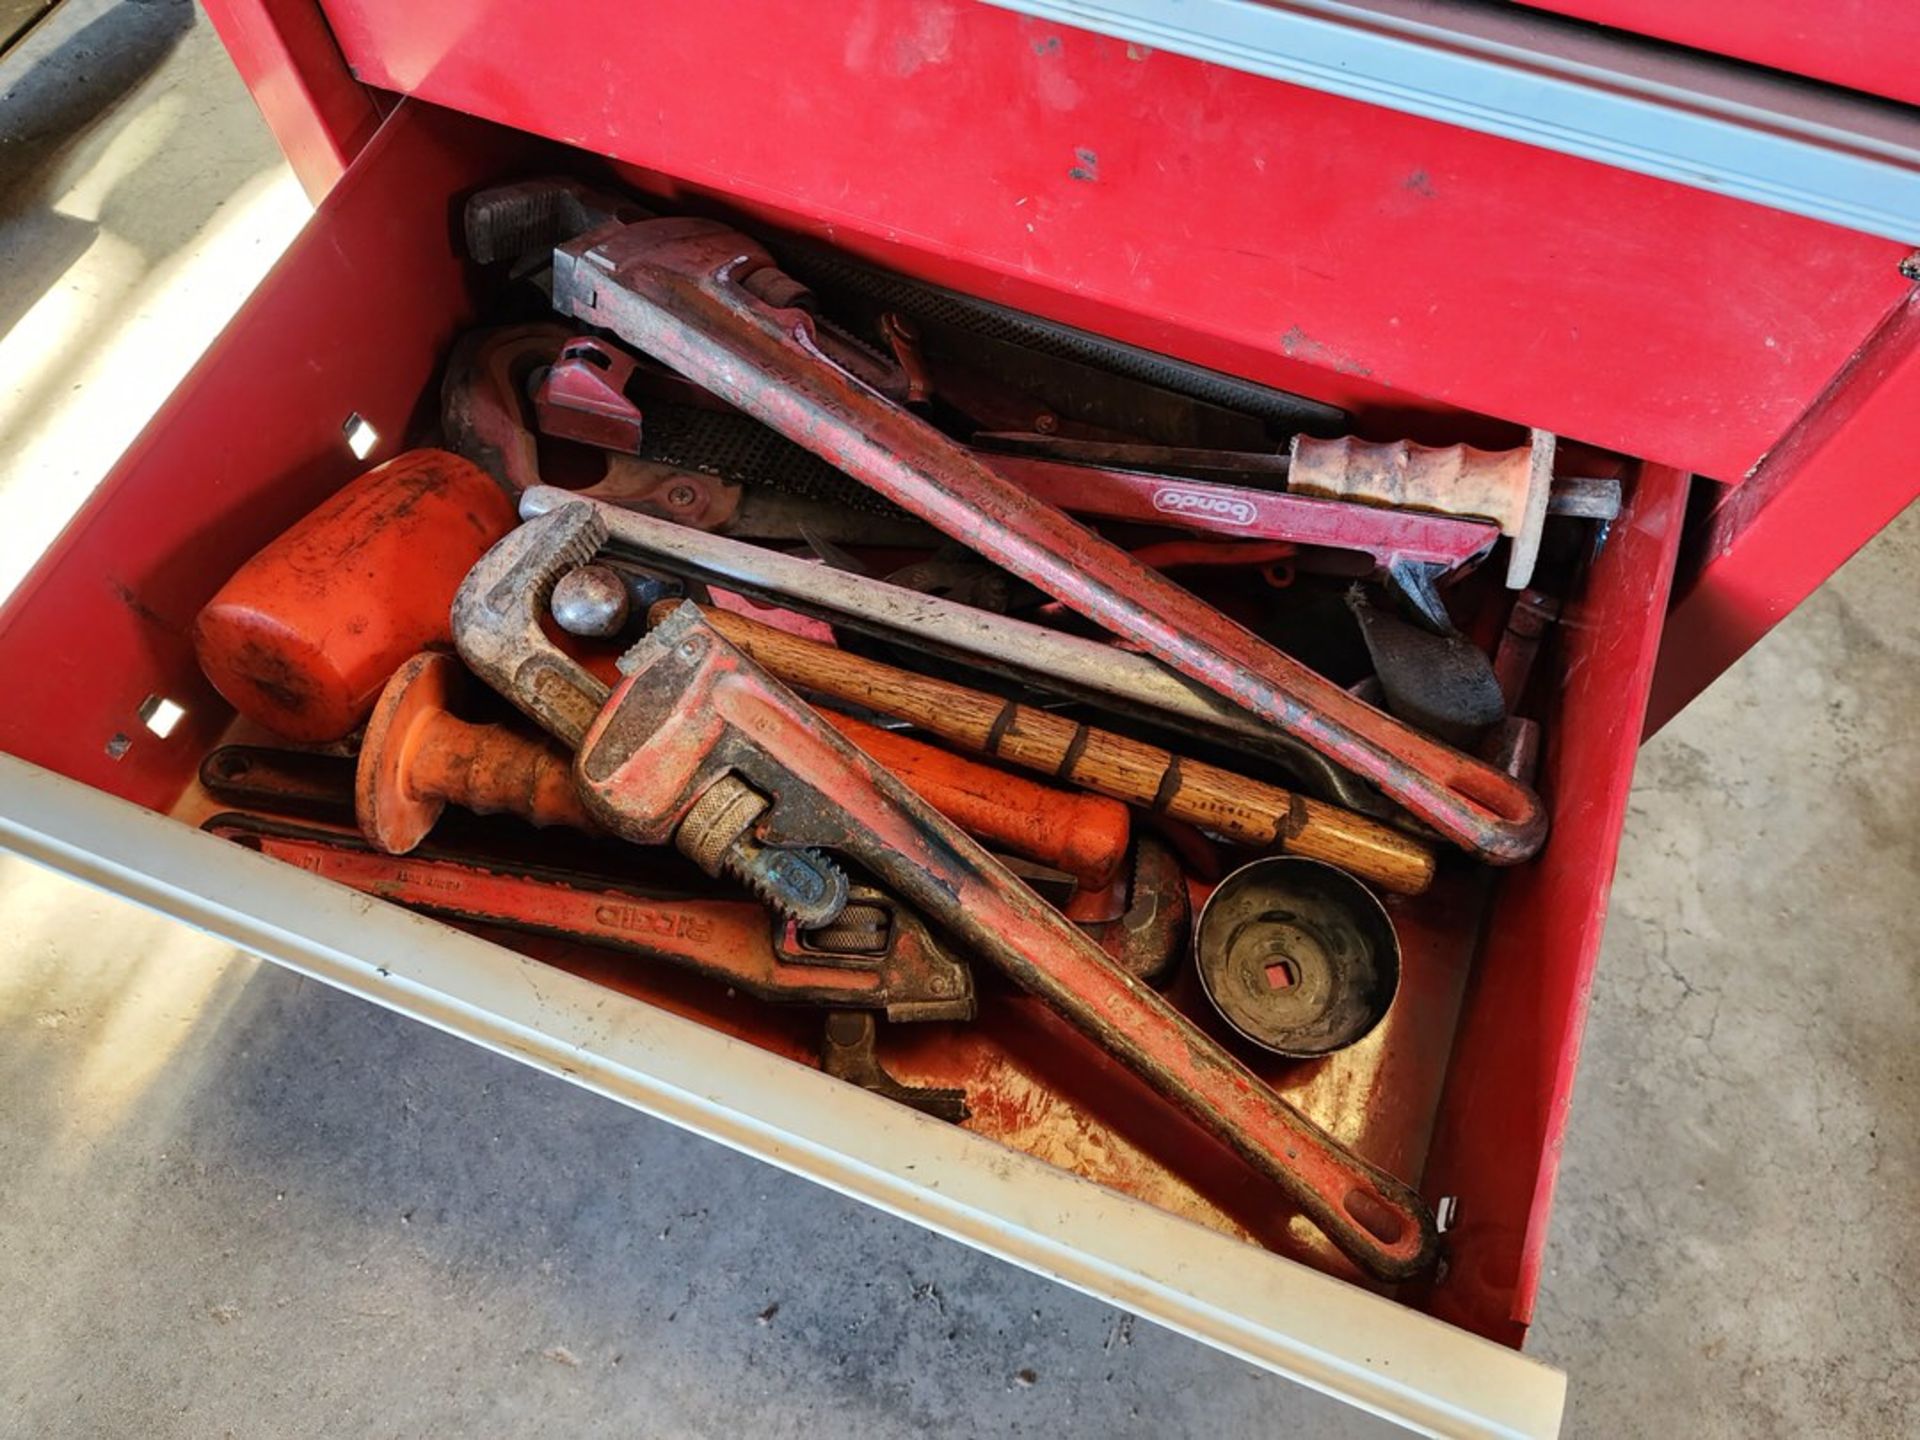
860,646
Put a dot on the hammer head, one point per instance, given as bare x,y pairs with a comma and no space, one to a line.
496,621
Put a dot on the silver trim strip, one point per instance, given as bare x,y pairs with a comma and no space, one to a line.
1796,145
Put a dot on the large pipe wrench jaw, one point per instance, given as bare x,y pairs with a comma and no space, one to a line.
521,222
685,263
497,613
498,632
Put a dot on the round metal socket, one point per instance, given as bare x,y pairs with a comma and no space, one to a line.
1297,956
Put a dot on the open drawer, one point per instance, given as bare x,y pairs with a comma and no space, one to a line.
1464,1093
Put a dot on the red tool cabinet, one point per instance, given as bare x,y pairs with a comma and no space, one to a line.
1761,367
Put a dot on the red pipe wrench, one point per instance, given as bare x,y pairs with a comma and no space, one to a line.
696,719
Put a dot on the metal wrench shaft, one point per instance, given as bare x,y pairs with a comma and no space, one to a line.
688,292
694,713
904,973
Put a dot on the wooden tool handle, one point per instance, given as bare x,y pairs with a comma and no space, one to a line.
1233,805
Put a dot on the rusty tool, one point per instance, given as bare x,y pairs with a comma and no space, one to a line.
1149,936
307,783
1296,956
483,410
496,626
417,757
583,396
482,413
592,601
695,717
1515,746
1159,395
1412,550
1534,613
848,1052
879,956
1444,684
597,601
705,300
1580,497
301,637
1236,806
509,222
1051,660
1146,936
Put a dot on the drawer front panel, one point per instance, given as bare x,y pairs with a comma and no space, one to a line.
1246,224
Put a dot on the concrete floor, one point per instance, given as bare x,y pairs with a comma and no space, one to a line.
235,1203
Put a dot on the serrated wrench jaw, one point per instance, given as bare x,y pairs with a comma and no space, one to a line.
497,614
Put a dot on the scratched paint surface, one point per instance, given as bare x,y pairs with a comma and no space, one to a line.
1391,264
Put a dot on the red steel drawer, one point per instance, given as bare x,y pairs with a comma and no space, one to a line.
1466,1095
1385,260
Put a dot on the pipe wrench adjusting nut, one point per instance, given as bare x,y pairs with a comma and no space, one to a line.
717,835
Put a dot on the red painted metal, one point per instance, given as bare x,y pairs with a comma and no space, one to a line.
1823,492
688,293
483,416
321,115
1375,260
1862,44
583,396
375,286
372,284
1511,1084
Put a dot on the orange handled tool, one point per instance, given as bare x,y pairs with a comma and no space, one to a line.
1084,835
418,757
301,637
